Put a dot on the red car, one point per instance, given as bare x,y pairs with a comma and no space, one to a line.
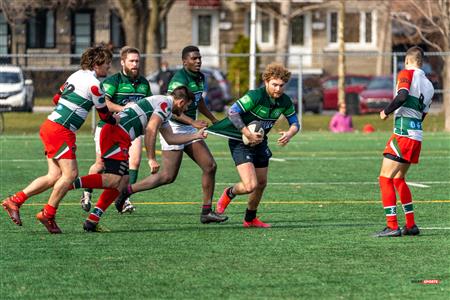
377,95
354,84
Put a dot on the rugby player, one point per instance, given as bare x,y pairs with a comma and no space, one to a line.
122,88
81,91
410,106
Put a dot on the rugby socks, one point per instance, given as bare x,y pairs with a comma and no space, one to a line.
19,198
133,175
230,193
406,199
106,198
389,201
49,211
206,209
89,190
250,215
93,181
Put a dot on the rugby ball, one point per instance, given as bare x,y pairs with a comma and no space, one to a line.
254,126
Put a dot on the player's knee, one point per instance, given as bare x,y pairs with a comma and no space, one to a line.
250,187
211,168
262,183
168,178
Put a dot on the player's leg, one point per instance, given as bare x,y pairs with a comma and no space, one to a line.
171,162
389,169
135,161
254,198
108,196
12,204
69,170
200,154
96,168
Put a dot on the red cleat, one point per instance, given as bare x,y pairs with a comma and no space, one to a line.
49,223
256,223
12,208
223,202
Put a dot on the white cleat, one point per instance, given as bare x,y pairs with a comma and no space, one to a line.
85,201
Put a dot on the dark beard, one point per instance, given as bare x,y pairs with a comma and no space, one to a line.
130,74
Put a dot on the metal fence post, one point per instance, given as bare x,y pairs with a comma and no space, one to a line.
300,90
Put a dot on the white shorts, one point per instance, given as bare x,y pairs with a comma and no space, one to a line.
97,140
177,129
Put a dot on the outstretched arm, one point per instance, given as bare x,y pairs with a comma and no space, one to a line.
150,140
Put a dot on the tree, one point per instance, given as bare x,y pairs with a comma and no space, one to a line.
432,25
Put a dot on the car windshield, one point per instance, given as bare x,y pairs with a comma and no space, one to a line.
359,80
382,83
330,83
9,77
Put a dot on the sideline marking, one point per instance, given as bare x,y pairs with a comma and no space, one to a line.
277,159
418,184
435,228
265,202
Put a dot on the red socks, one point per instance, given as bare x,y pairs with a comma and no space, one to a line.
19,198
389,201
92,181
406,199
106,198
49,211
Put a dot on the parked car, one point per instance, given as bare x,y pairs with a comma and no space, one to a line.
354,84
15,91
378,93
312,97
218,91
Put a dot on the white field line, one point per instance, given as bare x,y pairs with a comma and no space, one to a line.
423,184
277,159
435,228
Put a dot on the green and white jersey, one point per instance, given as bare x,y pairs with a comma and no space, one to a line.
257,105
134,119
121,89
195,82
408,117
82,90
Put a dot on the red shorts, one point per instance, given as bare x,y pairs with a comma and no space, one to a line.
403,147
59,142
114,143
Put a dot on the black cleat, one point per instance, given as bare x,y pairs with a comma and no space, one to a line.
120,201
410,231
90,226
388,232
212,217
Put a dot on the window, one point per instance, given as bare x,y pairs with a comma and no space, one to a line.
117,35
163,33
204,30
41,29
4,35
82,31
298,31
358,27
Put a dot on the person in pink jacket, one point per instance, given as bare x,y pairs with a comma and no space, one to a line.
341,121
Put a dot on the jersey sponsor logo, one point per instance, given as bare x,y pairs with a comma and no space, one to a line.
95,91
142,89
276,113
266,124
164,106
404,80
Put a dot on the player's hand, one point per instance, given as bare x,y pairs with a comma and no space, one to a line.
284,139
383,116
202,134
254,138
154,166
199,124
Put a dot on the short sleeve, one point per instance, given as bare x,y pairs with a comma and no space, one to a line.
404,79
109,86
248,101
97,95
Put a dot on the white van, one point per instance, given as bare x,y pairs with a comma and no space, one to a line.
15,92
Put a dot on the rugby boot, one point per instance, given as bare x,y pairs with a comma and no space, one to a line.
410,231
120,201
256,223
223,202
49,223
90,226
212,217
12,208
388,232
85,201
128,206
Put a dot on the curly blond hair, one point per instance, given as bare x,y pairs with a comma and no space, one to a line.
276,71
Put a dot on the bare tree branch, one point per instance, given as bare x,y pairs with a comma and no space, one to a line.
419,32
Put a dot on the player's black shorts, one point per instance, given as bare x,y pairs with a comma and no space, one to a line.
258,155
118,167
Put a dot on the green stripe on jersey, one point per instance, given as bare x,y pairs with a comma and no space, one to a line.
403,124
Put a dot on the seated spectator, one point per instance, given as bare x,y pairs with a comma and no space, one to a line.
341,121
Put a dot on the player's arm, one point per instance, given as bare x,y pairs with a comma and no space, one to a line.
202,108
150,140
294,128
98,98
113,107
187,120
398,101
179,139
234,114
57,96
